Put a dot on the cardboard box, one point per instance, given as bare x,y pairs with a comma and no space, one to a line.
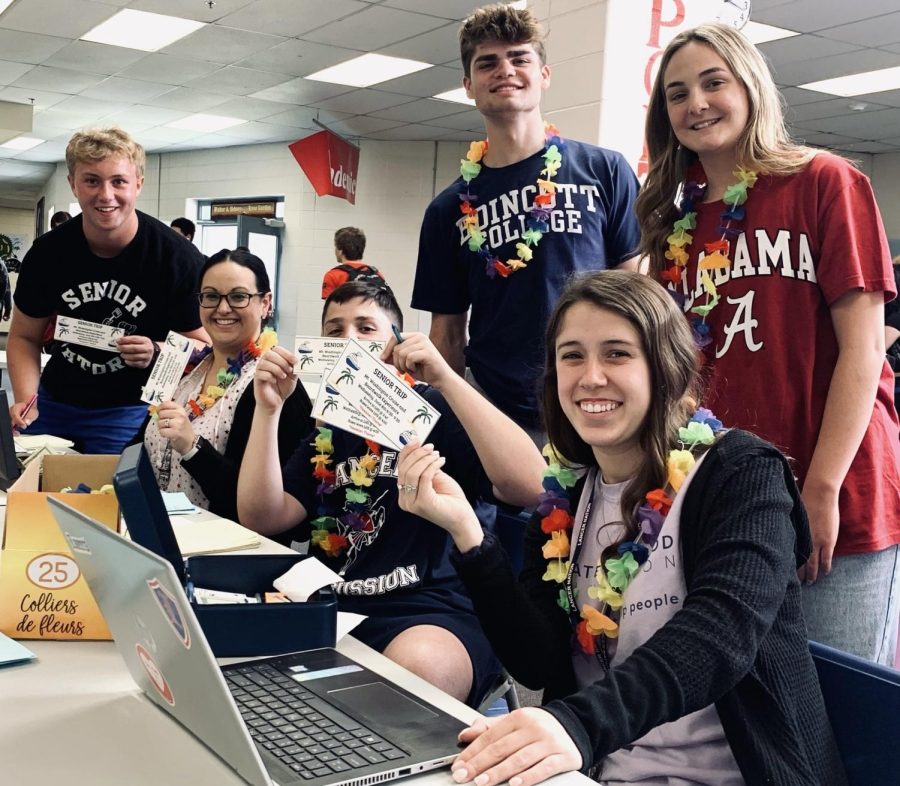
42,592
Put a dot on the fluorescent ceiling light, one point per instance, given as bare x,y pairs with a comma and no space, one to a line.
23,143
368,70
758,33
141,30
520,5
201,122
457,96
4,4
858,84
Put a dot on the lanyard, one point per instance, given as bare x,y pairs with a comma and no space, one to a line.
574,615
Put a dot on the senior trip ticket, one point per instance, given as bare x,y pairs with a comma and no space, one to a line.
168,369
374,389
87,334
332,408
317,354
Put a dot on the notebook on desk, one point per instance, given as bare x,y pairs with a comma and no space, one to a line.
316,718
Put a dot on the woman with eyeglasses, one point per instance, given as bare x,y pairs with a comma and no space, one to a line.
196,441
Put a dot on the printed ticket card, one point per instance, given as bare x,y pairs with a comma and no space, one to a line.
374,389
317,354
87,334
168,369
333,409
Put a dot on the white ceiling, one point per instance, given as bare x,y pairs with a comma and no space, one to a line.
250,60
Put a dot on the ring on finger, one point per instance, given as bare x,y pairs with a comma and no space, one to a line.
166,422
408,487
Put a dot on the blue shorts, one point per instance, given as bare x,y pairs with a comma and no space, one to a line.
107,430
388,617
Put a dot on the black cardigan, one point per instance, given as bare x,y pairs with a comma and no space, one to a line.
739,640
217,473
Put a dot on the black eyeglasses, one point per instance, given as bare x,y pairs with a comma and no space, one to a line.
235,299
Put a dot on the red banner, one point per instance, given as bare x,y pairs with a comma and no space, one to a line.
330,164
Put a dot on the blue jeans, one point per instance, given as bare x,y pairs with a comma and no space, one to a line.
107,430
856,607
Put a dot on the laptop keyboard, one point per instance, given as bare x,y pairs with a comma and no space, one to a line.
309,736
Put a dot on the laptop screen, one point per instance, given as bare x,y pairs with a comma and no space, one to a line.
144,509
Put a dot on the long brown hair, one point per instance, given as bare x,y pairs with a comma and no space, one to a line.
764,146
673,359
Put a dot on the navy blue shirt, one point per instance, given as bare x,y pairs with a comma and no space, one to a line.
592,226
392,552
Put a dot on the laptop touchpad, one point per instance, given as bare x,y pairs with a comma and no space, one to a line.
381,704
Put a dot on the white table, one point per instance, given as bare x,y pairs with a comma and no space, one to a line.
74,717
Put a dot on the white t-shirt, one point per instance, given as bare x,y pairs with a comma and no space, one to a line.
689,751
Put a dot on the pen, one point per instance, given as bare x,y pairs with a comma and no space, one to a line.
28,406
397,334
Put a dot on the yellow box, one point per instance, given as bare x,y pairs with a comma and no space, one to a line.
42,592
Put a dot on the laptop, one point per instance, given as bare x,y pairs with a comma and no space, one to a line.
10,466
315,718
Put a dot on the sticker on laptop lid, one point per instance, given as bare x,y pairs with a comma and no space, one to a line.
171,611
155,674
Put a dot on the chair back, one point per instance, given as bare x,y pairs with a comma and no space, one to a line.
863,703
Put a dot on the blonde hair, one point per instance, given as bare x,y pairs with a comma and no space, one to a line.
98,144
764,145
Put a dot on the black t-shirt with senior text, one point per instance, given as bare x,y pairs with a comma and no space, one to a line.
146,290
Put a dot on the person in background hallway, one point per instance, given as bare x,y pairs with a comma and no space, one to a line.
58,218
184,227
779,256
529,209
112,265
658,606
349,247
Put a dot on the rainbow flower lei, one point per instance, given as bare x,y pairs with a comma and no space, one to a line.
537,220
224,376
326,533
614,576
716,252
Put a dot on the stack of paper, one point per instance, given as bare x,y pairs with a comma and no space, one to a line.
212,536
177,503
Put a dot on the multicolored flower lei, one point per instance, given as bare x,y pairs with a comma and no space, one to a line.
717,252
614,576
325,533
224,376
537,220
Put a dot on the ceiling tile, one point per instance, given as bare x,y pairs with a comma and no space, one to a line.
819,109
426,83
302,116
435,46
42,99
125,90
57,80
417,111
298,58
65,18
301,91
223,45
825,140
815,15
861,125
464,121
168,69
249,108
879,30
447,9
362,101
198,11
794,96
354,126
838,65
410,132
94,58
374,28
49,151
188,100
803,47
10,72
144,115
233,80
291,18
870,147
28,47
